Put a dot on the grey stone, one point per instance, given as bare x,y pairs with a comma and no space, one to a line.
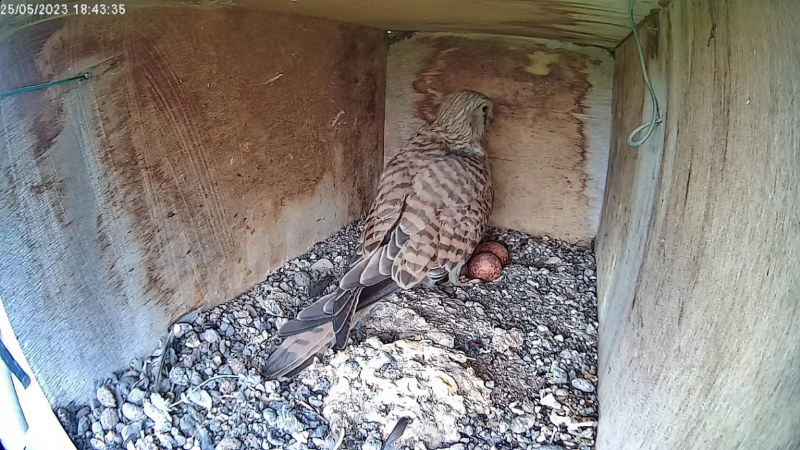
180,440
523,423
302,280
180,329
559,374
228,443
192,341
132,412
83,425
372,443
144,444
187,424
550,401
178,376
582,384
136,396
274,438
211,336
322,264
106,397
109,419
288,422
131,431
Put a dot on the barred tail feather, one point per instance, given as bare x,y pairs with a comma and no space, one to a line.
323,324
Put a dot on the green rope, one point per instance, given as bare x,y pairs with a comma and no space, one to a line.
656,119
42,86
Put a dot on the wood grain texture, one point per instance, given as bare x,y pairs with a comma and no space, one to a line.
699,245
548,143
209,146
602,23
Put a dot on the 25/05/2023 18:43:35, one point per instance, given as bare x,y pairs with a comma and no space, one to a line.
14,9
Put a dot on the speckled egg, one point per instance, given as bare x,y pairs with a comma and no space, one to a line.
485,266
495,248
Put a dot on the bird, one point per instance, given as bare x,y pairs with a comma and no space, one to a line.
432,206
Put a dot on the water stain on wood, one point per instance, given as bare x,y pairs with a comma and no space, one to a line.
188,123
537,145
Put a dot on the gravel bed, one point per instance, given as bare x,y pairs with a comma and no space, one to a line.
509,364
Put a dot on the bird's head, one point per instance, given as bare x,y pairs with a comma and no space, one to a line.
465,116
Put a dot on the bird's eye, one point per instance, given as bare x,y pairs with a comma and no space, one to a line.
485,109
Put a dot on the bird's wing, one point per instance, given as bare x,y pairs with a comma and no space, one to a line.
459,234
393,188
442,219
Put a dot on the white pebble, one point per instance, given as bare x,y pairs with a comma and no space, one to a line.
161,418
180,329
550,401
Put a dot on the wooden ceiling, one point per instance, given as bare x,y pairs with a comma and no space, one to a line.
602,23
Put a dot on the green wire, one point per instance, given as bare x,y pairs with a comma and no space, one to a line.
656,119
42,86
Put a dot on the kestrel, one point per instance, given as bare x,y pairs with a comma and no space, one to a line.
433,203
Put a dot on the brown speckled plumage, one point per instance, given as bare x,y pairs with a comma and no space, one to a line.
433,203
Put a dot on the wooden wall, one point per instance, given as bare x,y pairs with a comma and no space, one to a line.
699,243
548,144
209,146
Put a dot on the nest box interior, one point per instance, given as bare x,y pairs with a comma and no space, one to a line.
213,141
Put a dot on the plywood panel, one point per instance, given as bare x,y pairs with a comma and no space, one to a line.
699,245
548,144
601,23
196,159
